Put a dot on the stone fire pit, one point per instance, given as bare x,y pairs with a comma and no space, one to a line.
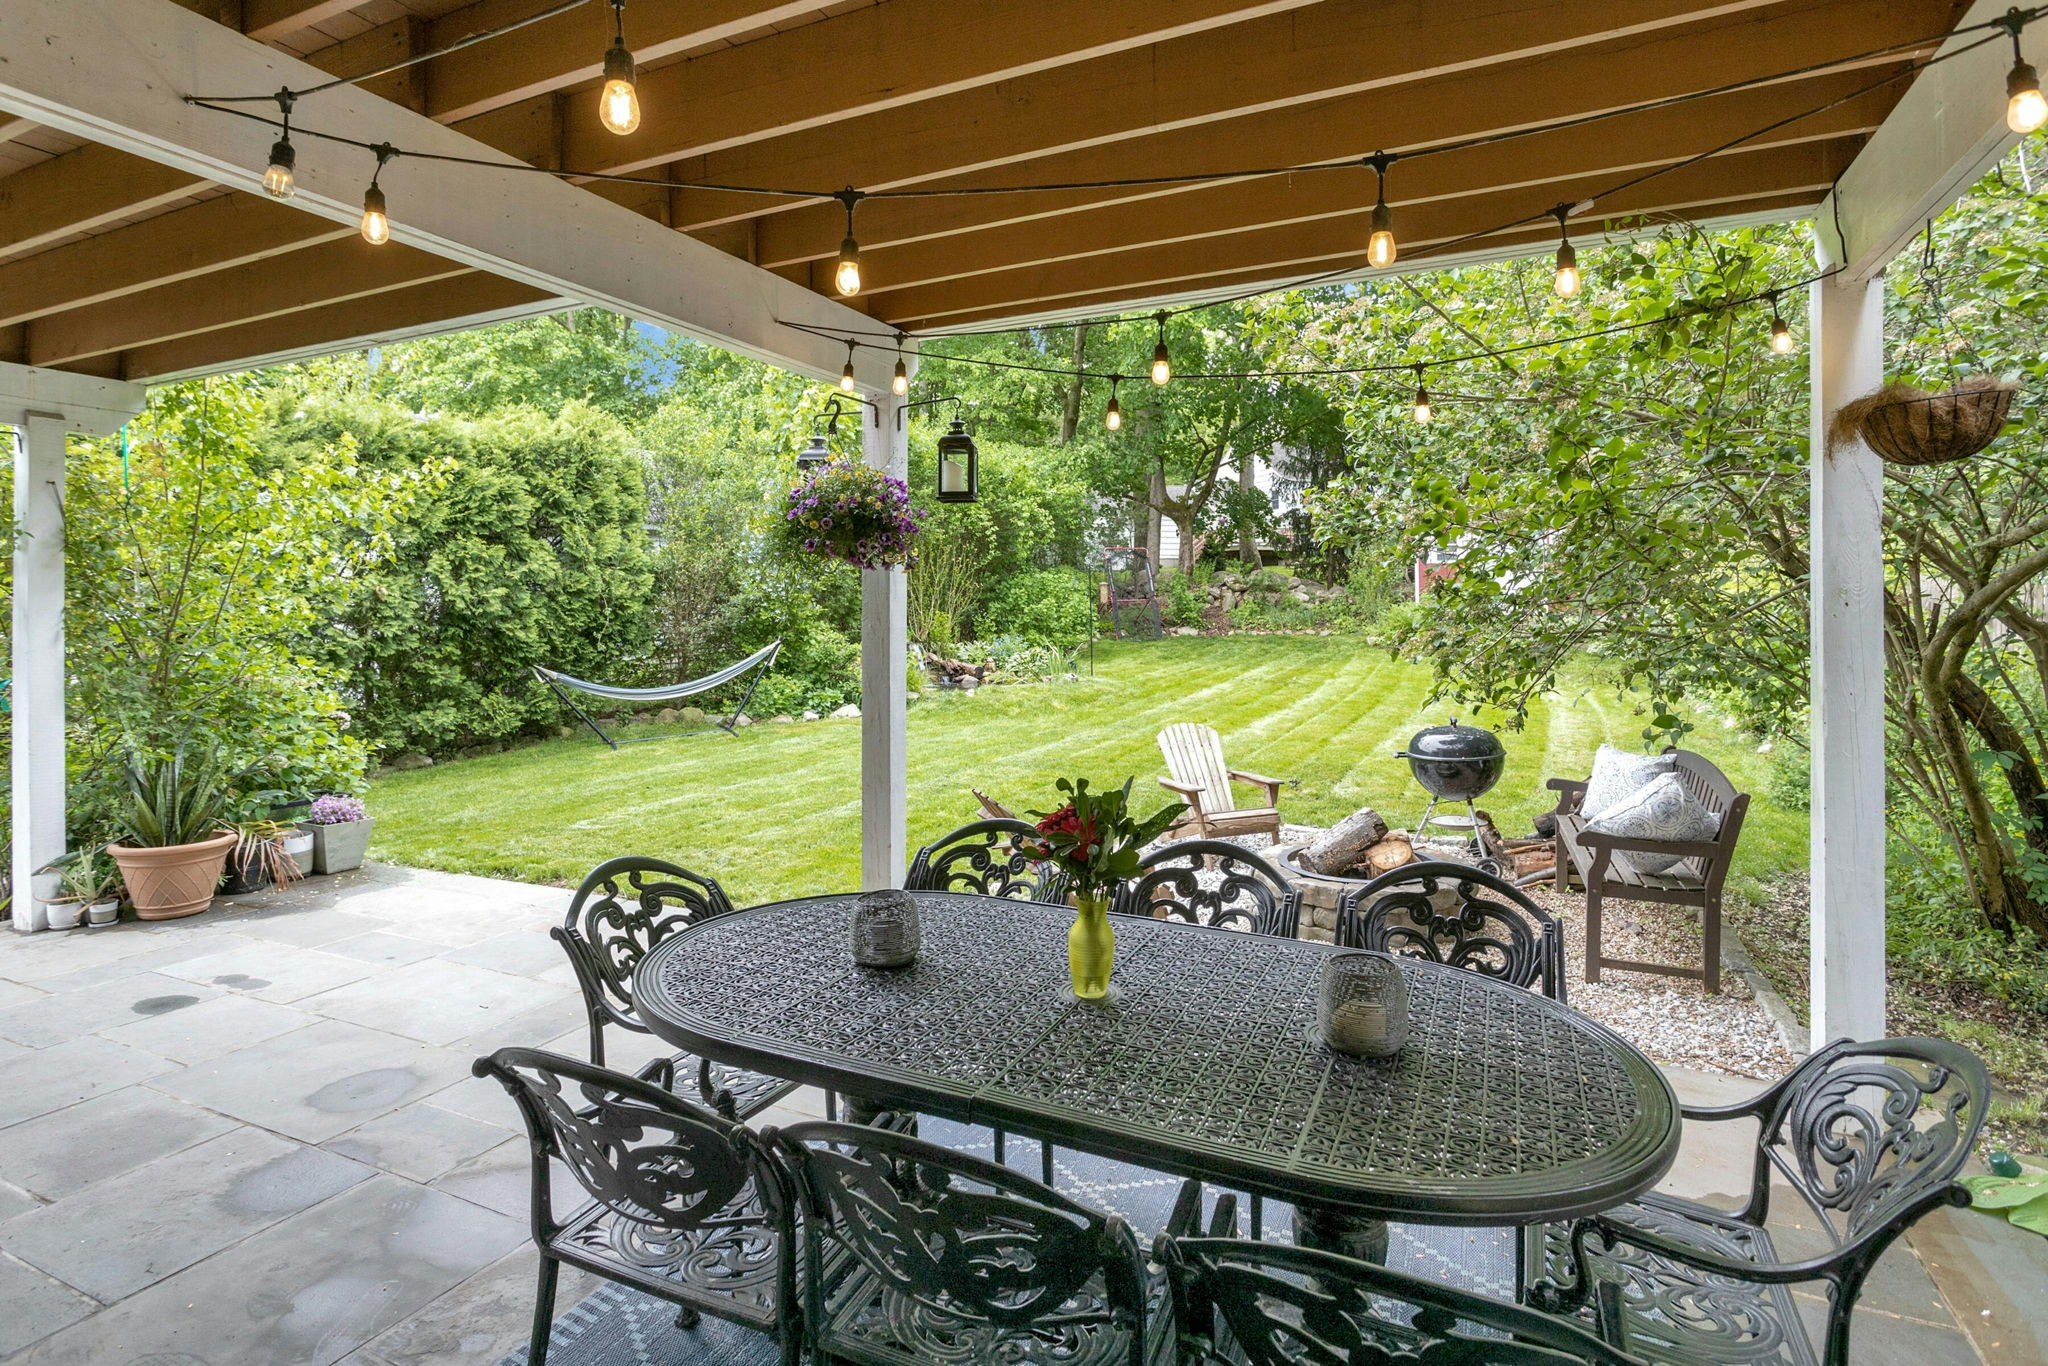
1320,892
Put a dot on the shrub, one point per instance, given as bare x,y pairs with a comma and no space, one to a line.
1181,603
1013,659
1048,607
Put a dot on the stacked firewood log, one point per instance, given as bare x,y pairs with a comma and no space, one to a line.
1361,844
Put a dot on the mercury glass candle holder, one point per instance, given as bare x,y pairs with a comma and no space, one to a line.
886,933
1363,1007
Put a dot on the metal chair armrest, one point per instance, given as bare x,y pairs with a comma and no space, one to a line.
1762,1273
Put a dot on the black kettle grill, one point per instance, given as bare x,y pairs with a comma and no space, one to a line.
1454,763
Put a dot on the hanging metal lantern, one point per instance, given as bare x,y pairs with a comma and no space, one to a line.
959,466
815,456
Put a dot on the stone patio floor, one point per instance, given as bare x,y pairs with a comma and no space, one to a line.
252,1137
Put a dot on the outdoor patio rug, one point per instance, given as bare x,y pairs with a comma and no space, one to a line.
617,1326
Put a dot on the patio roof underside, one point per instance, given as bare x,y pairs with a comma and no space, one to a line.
118,266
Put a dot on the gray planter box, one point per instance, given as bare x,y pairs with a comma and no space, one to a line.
338,848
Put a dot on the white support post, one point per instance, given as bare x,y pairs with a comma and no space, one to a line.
884,644
43,406
1847,685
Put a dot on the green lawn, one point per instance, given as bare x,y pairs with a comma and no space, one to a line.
775,810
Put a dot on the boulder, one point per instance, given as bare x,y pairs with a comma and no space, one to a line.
1187,631
691,716
744,721
565,731
410,760
846,713
668,716
811,716
784,720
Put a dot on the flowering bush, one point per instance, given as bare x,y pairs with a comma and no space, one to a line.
855,513
335,810
1094,839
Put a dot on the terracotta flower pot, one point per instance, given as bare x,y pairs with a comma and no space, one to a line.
174,881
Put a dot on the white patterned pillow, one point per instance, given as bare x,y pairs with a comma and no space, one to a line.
1662,810
1618,774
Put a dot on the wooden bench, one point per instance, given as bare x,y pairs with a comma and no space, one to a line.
1590,856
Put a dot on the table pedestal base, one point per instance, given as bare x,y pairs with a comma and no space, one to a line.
1327,1228
860,1110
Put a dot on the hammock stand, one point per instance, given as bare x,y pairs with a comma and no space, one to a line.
758,663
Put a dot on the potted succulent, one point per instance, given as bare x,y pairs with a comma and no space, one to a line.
267,853
173,845
91,877
341,832
61,906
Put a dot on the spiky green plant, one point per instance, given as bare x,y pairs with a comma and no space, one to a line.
173,800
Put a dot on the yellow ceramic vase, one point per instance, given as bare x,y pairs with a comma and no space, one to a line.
1091,944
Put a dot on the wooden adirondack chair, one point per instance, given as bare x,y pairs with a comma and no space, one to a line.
1194,758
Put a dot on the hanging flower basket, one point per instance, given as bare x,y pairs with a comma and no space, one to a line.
854,513
1909,426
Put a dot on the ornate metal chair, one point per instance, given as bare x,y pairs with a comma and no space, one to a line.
1279,1305
1490,926
985,858
1870,1135
623,909
951,1258
686,1204
1214,883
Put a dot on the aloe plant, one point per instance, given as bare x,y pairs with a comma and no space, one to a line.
174,800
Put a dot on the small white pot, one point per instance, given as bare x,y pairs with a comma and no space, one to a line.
45,886
63,915
300,847
103,912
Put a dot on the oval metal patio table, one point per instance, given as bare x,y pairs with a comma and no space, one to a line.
1504,1107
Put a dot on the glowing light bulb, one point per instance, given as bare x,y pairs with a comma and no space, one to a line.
1162,367
1423,412
846,277
277,177
618,103
1381,248
2025,109
899,383
376,223
846,378
1113,415
1567,282
1781,336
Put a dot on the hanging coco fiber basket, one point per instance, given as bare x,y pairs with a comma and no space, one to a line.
1909,426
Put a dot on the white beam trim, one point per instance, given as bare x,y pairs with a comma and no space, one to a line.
1940,139
884,648
116,71
44,407
1846,689
366,340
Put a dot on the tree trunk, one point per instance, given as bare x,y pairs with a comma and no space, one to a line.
1247,532
1070,419
2012,900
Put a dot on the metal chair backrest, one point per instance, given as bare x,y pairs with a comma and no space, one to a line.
969,1246
1873,1134
648,1156
1214,883
1194,756
1293,1306
988,858
1490,925
623,909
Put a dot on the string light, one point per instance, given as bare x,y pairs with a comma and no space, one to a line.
1567,281
1380,248
2025,109
1162,364
1113,415
277,177
846,276
899,382
376,222
618,103
1423,411
1782,340
846,375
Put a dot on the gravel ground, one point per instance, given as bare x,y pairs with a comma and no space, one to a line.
1671,1019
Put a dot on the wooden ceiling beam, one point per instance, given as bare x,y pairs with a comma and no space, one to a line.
82,191
217,235
1625,146
1506,246
269,20
332,273
1444,109
457,301
1276,98
885,57
1299,250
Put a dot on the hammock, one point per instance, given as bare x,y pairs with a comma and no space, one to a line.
758,663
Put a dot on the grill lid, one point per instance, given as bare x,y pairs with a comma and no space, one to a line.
1454,741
